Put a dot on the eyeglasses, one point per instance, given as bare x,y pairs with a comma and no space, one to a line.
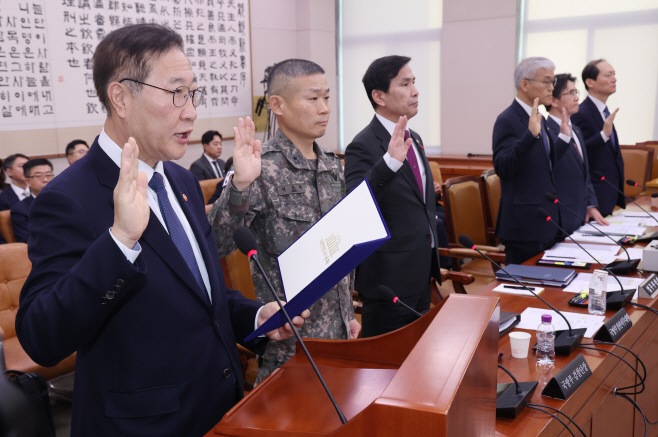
547,83
81,152
572,92
180,94
44,176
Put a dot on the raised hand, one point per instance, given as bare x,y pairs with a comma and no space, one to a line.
535,119
246,155
131,210
398,147
564,126
284,332
607,124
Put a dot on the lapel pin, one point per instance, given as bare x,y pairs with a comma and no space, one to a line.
185,197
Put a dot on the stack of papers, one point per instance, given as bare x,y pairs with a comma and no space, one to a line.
581,283
531,319
573,253
613,230
556,277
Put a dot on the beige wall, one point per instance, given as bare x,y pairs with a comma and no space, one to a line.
477,68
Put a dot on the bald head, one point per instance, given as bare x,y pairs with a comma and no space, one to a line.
282,77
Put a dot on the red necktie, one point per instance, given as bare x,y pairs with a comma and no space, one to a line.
413,162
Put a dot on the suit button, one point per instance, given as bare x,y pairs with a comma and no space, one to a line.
103,300
109,294
226,373
216,323
120,282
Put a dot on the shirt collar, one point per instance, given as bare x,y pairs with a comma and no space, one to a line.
524,105
112,150
19,191
210,160
599,104
388,124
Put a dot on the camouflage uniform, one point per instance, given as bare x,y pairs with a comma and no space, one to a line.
290,195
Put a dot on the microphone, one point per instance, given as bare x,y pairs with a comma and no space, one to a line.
619,267
565,341
615,300
388,294
598,174
246,242
510,402
632,183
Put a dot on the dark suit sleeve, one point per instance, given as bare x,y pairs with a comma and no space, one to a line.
19,225
197,170
592,135
508,150
361,164
63,304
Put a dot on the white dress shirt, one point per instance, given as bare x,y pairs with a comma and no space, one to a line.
214,169
114,152
21,193
565,138
601,107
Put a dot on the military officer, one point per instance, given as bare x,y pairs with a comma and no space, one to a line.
279,190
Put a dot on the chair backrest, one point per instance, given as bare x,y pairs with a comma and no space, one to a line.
491,188
436,172
14,268
463,207
654,165
238,274
637,166
208,188
5,226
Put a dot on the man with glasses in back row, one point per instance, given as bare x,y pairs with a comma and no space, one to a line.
75,150
124,264
38,173
524,157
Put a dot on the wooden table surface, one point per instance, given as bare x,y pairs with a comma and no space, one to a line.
594,406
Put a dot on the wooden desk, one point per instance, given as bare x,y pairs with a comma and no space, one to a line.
594,405
461,165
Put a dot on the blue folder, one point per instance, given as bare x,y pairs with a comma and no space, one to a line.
327,279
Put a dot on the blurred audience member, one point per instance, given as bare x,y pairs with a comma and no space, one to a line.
17,189
38,173
3,184
209,166
221,184
75,150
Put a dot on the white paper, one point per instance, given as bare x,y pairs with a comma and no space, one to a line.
531,319
618,230
626,220
633,252
521,292
575,254
581,283
355,219
580,238
636,214
613,248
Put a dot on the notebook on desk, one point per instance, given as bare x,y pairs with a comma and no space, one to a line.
536,275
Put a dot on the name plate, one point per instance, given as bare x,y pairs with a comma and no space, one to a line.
613,329
567,380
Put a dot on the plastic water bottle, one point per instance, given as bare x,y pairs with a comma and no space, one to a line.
598,287
546,341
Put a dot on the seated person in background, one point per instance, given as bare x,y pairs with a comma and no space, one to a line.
38,173
221,184
297,183
571,172
75,150
209,166
18,189
3,184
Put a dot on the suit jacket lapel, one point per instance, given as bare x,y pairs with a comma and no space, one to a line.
524,119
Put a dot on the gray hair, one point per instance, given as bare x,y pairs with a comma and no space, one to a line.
282,74
528,68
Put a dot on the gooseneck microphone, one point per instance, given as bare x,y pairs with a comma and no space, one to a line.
617,299
246,242
632,183
565,341
511,402
618,267
598,174
388,294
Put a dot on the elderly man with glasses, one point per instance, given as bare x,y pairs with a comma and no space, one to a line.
38,172
524,157
124,265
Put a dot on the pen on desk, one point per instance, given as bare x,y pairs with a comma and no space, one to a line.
561,257
516,287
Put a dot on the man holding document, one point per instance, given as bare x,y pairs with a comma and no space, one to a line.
279,190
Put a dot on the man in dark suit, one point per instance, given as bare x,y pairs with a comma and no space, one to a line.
75,150
571,172
524,156
124,264
17,189
601,140
209,166
38,173
394,162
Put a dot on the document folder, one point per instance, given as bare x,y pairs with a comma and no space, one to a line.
327,252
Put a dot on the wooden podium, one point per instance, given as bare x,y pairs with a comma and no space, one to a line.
436,376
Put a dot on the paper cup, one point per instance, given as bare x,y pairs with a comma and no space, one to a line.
520,343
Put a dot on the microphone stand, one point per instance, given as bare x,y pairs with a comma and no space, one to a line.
598,174
511,402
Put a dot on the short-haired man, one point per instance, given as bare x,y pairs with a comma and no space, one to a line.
524,157
601,139
209,166
75,150
124,265
571,172
38,173
394,162
18,189
279,190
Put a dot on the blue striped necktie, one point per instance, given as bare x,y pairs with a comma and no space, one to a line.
612,134
176,231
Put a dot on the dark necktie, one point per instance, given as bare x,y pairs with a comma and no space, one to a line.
176,231
612,134
577,149
545,140
218,173
413,162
